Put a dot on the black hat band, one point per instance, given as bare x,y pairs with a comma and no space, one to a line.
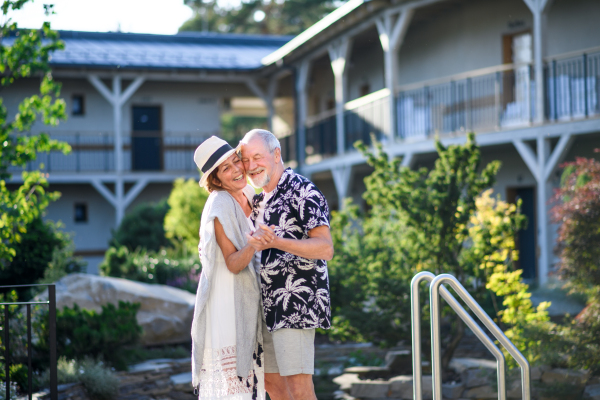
215,157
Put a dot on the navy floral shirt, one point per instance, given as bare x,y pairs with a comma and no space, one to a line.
295,290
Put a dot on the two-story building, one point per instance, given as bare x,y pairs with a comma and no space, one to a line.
524,75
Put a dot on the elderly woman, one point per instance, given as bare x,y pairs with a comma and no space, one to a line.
226,331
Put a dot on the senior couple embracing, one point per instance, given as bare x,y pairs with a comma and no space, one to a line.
264,287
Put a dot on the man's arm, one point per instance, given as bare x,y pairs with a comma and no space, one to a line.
318,246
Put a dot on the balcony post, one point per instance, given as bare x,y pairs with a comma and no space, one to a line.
539,9
391,36
301,84
339,54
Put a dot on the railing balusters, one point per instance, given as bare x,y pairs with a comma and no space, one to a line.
585,86
497,100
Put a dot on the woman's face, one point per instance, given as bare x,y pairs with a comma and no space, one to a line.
232,174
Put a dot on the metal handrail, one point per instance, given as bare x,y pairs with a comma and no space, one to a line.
435,288
52,339
468,320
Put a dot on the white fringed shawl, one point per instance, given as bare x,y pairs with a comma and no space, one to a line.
222,205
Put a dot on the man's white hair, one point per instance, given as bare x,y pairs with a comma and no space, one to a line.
270,141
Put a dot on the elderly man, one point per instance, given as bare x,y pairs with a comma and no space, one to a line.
293,242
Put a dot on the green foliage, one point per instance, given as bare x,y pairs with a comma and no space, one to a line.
491,232
25,54
99,381
164,267
182,222
234,127
63,262
107,335
13,391
289,17
143,227
32,255
577,210
416,221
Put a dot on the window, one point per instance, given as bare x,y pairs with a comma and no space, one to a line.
81,214
77,104
364,90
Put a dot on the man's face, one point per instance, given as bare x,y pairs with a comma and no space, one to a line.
259,162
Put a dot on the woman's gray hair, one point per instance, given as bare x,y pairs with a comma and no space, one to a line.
267,138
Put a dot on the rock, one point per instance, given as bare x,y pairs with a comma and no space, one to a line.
559,375
462,364
399,362
452,390
481,392
592,392
345,381
370,389
477,377
402,387
369,372
165,314
536,372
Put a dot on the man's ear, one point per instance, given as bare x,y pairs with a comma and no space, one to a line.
277,155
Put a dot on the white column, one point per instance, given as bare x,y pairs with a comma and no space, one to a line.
301,86
391,36
539,9
339,54
271,95
117,98
341,179
541,166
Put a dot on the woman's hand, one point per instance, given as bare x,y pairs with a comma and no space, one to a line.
263,238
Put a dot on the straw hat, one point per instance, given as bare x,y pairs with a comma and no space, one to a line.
210,154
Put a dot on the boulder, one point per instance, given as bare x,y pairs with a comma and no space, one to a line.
401,387
399,362
370,389
569,376
165,314
477,377
452,390
369,372
481,392
592,392
345,381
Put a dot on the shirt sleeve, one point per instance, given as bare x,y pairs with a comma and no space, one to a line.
313,208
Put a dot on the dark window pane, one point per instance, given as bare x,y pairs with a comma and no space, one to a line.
77,106
81,212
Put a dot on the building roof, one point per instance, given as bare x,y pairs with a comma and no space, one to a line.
210,51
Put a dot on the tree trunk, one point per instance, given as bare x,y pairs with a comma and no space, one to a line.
459,332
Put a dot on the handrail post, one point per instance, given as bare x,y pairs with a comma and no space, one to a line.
7,351
53,358
415,313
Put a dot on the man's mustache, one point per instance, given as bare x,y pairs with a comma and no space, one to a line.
256,171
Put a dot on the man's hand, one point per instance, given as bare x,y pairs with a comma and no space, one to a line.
263,238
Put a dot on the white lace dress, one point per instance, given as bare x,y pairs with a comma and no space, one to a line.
218,377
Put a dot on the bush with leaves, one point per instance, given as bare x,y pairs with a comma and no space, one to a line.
163,267
416,221
107,336
182,222
99,381
143,227
25,54
577,210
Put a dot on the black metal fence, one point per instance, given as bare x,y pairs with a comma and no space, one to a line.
52,340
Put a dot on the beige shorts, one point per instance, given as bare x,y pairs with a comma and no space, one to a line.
289,351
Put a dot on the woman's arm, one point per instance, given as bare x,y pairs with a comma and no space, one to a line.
236,260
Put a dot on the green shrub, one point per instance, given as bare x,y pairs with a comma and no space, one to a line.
99,381
164,267
143,228
33,253
13,391
182,222
63,262
108,336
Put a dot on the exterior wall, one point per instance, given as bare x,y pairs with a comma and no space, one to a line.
572,25
463,38
186,107
469,36
366,67
89,237
153,193
320,87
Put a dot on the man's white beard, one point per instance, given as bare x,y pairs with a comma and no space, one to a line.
260,182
